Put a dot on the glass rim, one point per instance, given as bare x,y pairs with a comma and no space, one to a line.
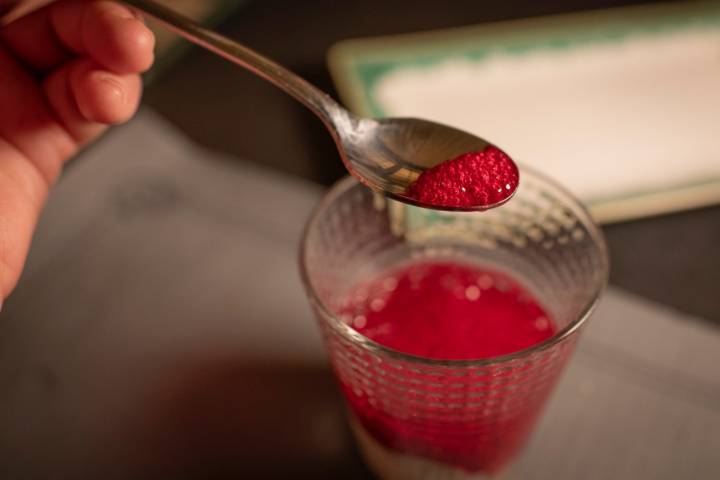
355,337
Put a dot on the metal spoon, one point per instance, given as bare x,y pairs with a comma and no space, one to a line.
385,154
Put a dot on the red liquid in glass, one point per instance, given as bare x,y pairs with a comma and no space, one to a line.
444,310
476,179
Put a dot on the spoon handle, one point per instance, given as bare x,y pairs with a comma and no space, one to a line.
329,111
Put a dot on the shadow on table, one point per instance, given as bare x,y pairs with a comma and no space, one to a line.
227,420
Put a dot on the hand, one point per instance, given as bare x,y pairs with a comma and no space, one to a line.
66,72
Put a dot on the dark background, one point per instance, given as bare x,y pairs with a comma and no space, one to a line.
673,259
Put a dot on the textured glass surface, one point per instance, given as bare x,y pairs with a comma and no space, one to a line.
480,409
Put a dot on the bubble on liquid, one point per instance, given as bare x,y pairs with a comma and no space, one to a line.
361,295
360,321
542,323
377,304
472,293
485,282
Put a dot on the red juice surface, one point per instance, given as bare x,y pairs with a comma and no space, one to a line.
475,179
447,311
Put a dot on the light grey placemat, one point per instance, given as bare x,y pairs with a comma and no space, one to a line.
154,252
640,400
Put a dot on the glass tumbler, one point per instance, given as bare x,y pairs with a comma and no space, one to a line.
417,418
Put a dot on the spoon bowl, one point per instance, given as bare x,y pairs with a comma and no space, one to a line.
389,154
386,154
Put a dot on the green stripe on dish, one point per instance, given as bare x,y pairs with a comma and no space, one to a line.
368,61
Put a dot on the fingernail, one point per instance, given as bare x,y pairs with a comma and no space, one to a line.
113,88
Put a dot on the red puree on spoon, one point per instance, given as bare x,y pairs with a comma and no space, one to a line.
476,179
449,311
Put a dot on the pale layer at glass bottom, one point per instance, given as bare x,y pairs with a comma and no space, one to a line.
392,465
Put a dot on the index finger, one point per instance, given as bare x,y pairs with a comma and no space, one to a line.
107,32
111,34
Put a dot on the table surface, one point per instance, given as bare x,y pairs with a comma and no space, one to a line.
160,331
107,371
